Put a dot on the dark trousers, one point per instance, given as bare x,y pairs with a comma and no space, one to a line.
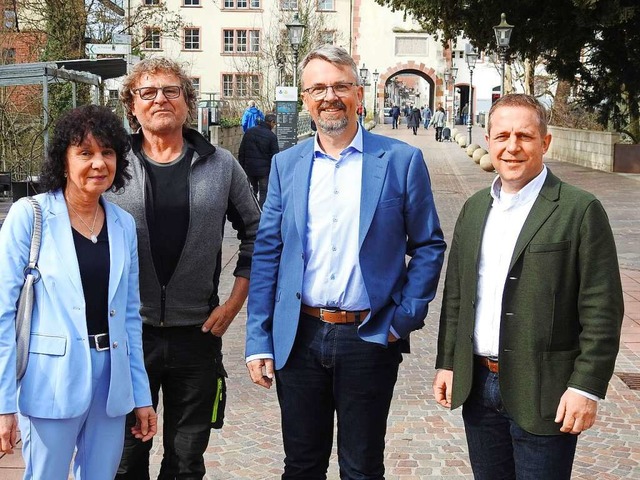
395,122
331,369
499,449
259,186
181,361
439,134
415,129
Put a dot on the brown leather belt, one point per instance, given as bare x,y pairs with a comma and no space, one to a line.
487,362
335,316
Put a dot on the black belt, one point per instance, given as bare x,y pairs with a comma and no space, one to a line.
100,342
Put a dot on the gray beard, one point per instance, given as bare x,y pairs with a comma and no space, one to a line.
332,127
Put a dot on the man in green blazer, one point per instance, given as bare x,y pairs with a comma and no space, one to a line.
532,309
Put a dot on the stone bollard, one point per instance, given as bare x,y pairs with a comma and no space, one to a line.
472,148
462,140
485,163
454,132
478,154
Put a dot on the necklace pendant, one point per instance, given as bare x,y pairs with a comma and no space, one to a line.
94,239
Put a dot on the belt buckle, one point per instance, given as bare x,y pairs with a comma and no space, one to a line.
329,310
97,340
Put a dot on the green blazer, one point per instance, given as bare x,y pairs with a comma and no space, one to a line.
562,306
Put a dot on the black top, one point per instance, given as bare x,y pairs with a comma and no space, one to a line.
257,147
94,263
168,211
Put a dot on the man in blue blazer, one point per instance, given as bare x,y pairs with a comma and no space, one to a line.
332,300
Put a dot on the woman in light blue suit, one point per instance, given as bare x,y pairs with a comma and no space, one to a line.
85,370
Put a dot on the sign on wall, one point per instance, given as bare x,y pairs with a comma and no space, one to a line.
287,116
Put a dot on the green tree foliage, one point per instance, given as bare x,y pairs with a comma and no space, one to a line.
608,72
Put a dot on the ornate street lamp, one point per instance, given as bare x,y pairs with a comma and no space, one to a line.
454,74
503,37
364,75
471,58
295,30
376,76
447,81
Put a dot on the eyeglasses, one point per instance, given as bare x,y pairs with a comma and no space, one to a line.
150,93
318,92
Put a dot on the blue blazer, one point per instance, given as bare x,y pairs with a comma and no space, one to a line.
57,383
397,219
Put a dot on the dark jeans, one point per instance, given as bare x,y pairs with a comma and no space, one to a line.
181,361
395,122
331,369
499,449
259,186
439,134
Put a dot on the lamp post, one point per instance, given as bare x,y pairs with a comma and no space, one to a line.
376,76
364,75
295,30
454,74
447,80
471,58
503,37
450,79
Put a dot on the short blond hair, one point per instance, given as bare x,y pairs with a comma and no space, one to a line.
521,100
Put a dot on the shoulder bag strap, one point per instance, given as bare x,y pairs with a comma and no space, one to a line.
36,237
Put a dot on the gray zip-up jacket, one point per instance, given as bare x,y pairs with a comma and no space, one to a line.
218,190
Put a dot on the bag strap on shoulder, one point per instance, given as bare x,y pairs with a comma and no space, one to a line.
36,237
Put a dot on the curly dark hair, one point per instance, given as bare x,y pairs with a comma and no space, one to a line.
71,129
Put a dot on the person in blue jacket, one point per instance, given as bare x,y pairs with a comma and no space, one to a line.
251,116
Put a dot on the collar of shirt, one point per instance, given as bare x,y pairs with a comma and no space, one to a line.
505,201
354,146
332,276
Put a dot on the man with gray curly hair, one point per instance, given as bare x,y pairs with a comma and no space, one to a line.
182,191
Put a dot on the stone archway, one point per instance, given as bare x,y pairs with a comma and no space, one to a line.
411,68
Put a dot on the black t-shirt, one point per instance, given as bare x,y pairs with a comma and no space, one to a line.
168,211
94,263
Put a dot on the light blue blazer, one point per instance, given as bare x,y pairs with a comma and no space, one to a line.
397,219
57,383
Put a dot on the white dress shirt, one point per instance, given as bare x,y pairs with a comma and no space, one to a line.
504,223
332,276
508,213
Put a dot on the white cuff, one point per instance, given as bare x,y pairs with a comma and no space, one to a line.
257,356
590,396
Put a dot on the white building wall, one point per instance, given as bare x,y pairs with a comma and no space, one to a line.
377,37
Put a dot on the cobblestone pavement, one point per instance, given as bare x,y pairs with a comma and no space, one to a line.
425,440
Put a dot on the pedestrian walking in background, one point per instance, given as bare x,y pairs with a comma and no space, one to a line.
415,120
532,308
257,148
251,116
85,367
182,191
426,116
465,114
395,115
362,113
332,301
438,121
